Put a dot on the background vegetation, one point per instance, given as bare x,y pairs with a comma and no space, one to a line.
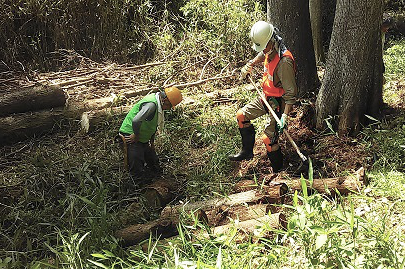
67,193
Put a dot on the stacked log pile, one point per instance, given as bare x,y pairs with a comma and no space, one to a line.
252,206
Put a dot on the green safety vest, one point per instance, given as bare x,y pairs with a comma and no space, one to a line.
148,128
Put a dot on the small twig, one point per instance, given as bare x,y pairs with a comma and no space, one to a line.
202,71
184,68
148,65
201,81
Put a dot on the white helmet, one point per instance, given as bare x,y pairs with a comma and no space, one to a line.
260,34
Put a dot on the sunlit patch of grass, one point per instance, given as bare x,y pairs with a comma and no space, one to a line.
394,60
390,184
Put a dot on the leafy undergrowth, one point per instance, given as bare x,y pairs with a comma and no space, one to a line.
62,196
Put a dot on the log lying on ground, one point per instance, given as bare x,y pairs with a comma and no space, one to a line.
242,206
272,194
258,227
31,99
223,214
18,127
159,193
167,226
134,234
344,185
90,120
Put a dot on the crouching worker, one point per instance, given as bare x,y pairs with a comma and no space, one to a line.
139,128
279,87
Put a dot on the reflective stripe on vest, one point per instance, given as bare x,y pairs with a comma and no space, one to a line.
268,76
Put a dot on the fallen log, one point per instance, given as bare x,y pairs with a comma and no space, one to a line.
90,120
158,194
135,234
167,226
32,99
18,127
273,194
258,227
344,184
224,214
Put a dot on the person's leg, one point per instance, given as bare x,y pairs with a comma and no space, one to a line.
246,129
136,160
152,160
270,138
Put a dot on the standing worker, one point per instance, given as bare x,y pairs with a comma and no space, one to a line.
279,87
139,128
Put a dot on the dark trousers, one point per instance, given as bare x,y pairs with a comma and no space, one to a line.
142,160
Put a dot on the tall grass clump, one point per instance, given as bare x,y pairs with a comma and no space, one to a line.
216,30
119,30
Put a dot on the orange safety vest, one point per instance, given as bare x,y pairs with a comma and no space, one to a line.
268,76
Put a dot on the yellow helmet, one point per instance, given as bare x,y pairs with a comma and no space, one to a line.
174,95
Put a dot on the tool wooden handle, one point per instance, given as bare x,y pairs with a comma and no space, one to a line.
278,120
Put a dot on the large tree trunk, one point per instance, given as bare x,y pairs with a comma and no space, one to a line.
328,16
352,85
21,126
315,11
31,99
291,17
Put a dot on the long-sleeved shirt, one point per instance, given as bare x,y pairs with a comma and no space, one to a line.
284,76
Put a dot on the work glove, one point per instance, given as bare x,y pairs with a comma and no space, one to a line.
283,121
247,69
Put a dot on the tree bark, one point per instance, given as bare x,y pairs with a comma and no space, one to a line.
159,193
292,18
91,120
352,86
18,127
315,11
32,99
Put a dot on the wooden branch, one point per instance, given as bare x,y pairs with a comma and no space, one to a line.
149,65
199,82
31,99
205,65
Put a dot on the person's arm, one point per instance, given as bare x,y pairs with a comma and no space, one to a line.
146,112
247,69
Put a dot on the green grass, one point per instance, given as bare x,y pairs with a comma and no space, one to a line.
67,193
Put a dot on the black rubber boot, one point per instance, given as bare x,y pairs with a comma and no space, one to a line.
248,142
276,159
